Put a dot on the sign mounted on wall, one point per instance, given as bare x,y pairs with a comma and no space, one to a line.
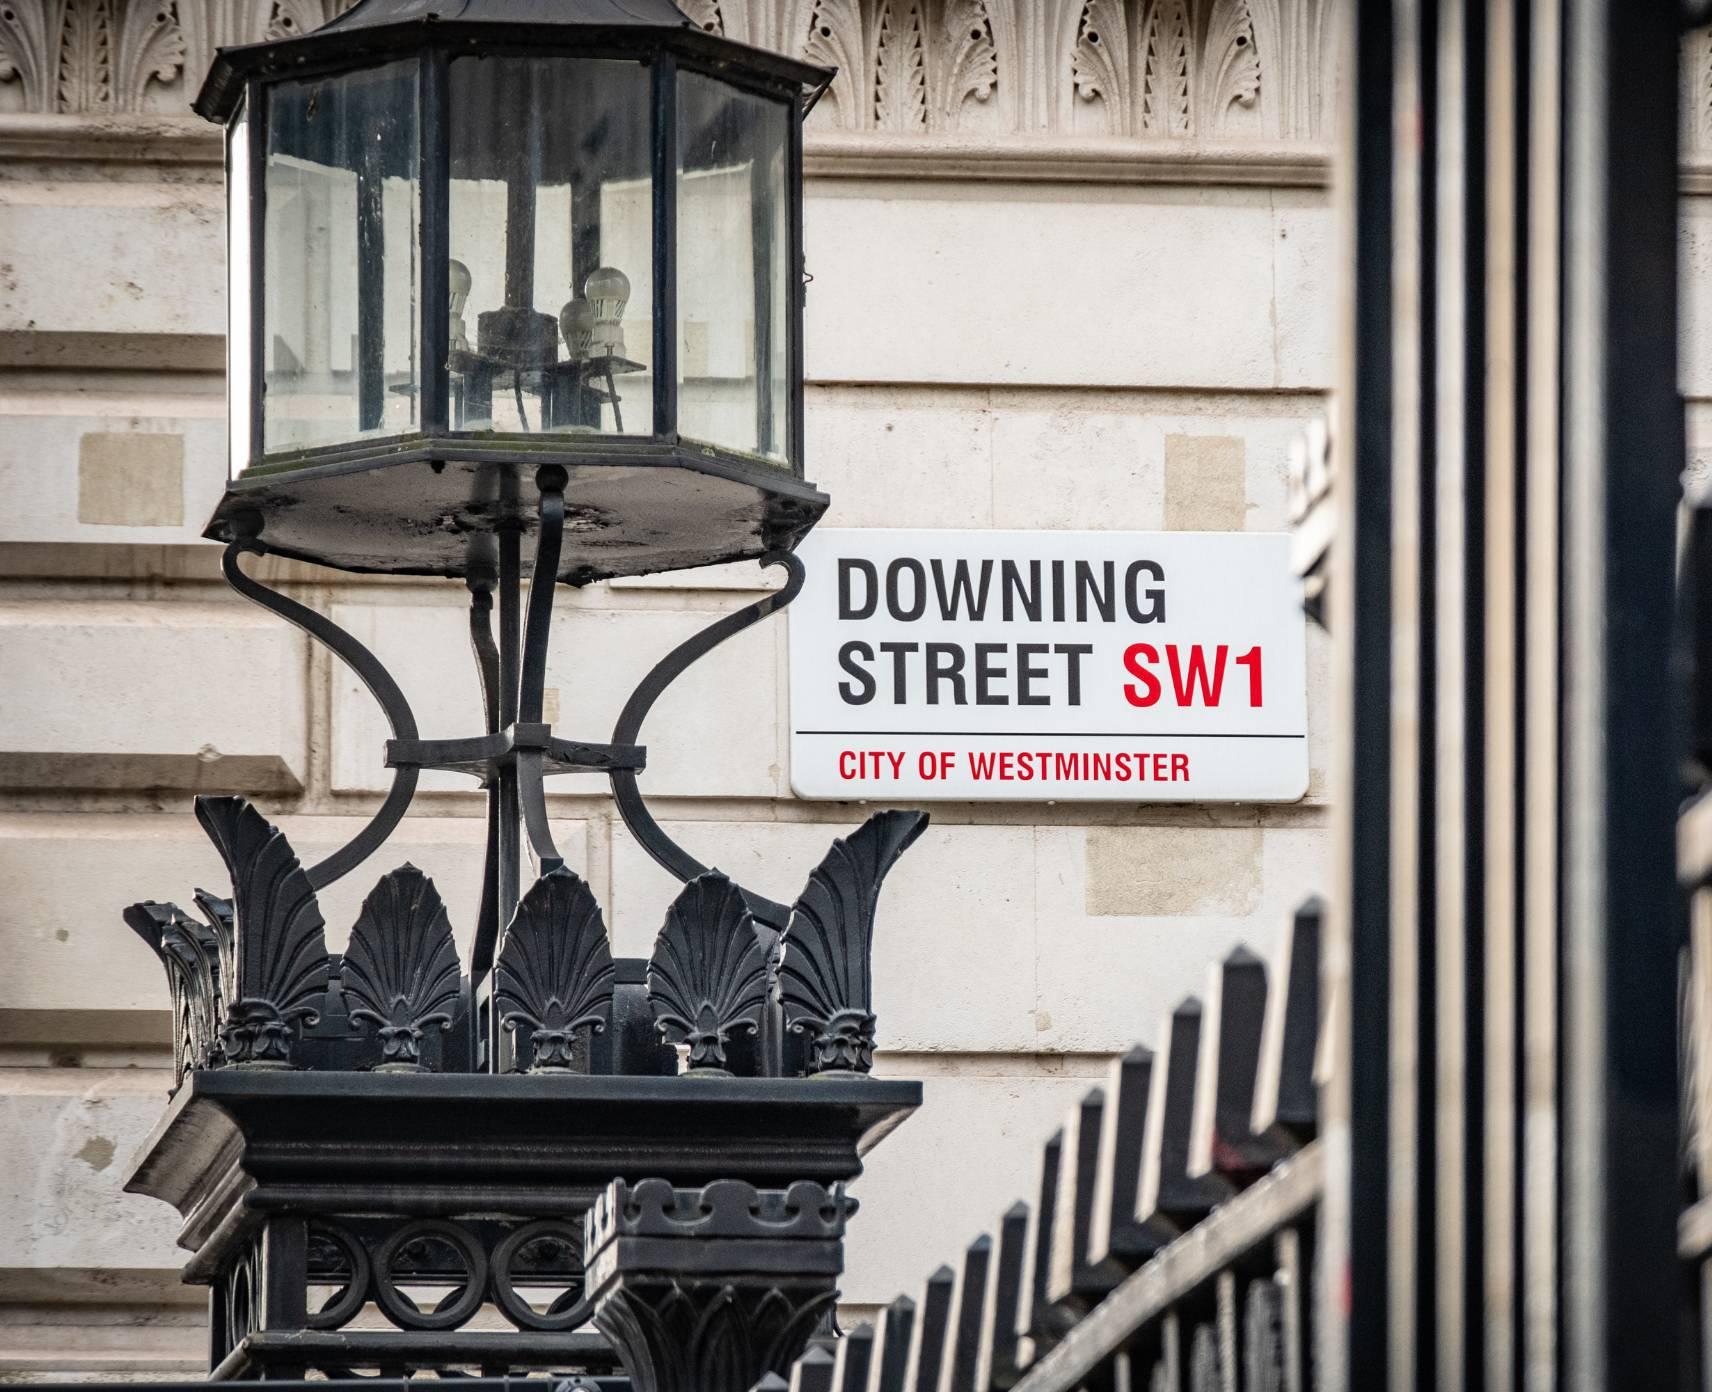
1030,666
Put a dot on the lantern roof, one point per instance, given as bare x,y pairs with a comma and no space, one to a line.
374,30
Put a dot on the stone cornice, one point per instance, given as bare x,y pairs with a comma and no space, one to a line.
188,141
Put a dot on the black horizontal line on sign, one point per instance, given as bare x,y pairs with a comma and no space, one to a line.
1052,734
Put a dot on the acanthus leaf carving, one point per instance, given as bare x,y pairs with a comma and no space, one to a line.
1166,71
151,49
86,56
970,61
400,968
826,971
554,972
708,977
834,34
1230,74
704,14
1099,64
273,963
900,67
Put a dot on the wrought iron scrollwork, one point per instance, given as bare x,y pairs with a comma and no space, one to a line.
273,960
400,969
555,974
380,685
708,978
826,968
649,833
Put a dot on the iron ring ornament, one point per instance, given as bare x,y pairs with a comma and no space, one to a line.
560,1243
335,1255
412,1244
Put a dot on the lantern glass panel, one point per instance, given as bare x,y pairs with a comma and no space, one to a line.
342,238
239,325
551,281
733,295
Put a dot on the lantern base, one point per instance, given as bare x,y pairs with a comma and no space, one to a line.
435,507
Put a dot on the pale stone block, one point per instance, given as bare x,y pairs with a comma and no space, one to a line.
67,1140
1307,281
69,877
990,1126
1105,982
149,258
902,457
150,470
1012,284
126,480
953,941
717,732
1098,461
106,693
1173,871
1075,461
1206,478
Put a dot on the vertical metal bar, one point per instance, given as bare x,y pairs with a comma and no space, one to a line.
1459,695
371,287
1413,1194
1505,115
796,287
1541,693
506,837
1622,454
666,247
434,173
520,183
258,106
1354,1270
764,248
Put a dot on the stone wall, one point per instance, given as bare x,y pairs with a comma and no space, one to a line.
1072,268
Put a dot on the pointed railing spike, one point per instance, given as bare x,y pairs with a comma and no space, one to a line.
963,1351
853,1360
932,1330
996,1368
1221,1140
894,1333
1037,1329
1167,1198
1072,1284
1286,1100
812,1372
1116,1242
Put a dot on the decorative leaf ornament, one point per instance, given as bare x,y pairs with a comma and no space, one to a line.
273,964
190,952
708,976
401,966
554,972
826,975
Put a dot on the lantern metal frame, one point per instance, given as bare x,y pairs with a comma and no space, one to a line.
432,500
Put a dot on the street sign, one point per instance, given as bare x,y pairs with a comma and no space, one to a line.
1037,666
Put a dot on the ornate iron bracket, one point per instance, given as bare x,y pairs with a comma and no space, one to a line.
649,833
372,675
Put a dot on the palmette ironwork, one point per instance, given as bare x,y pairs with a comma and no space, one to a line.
555,975
400,970
708,978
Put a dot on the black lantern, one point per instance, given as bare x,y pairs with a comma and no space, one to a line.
473,238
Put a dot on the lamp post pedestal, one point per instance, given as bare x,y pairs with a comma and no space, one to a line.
392,1222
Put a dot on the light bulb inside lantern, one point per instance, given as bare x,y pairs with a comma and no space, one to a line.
458,286
607,290
576,323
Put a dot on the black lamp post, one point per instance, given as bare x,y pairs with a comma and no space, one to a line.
519,270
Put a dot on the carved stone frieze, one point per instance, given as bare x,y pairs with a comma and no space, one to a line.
1171,69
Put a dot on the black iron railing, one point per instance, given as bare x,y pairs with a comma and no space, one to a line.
1171,1240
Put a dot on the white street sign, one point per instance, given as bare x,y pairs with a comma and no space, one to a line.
1035,666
